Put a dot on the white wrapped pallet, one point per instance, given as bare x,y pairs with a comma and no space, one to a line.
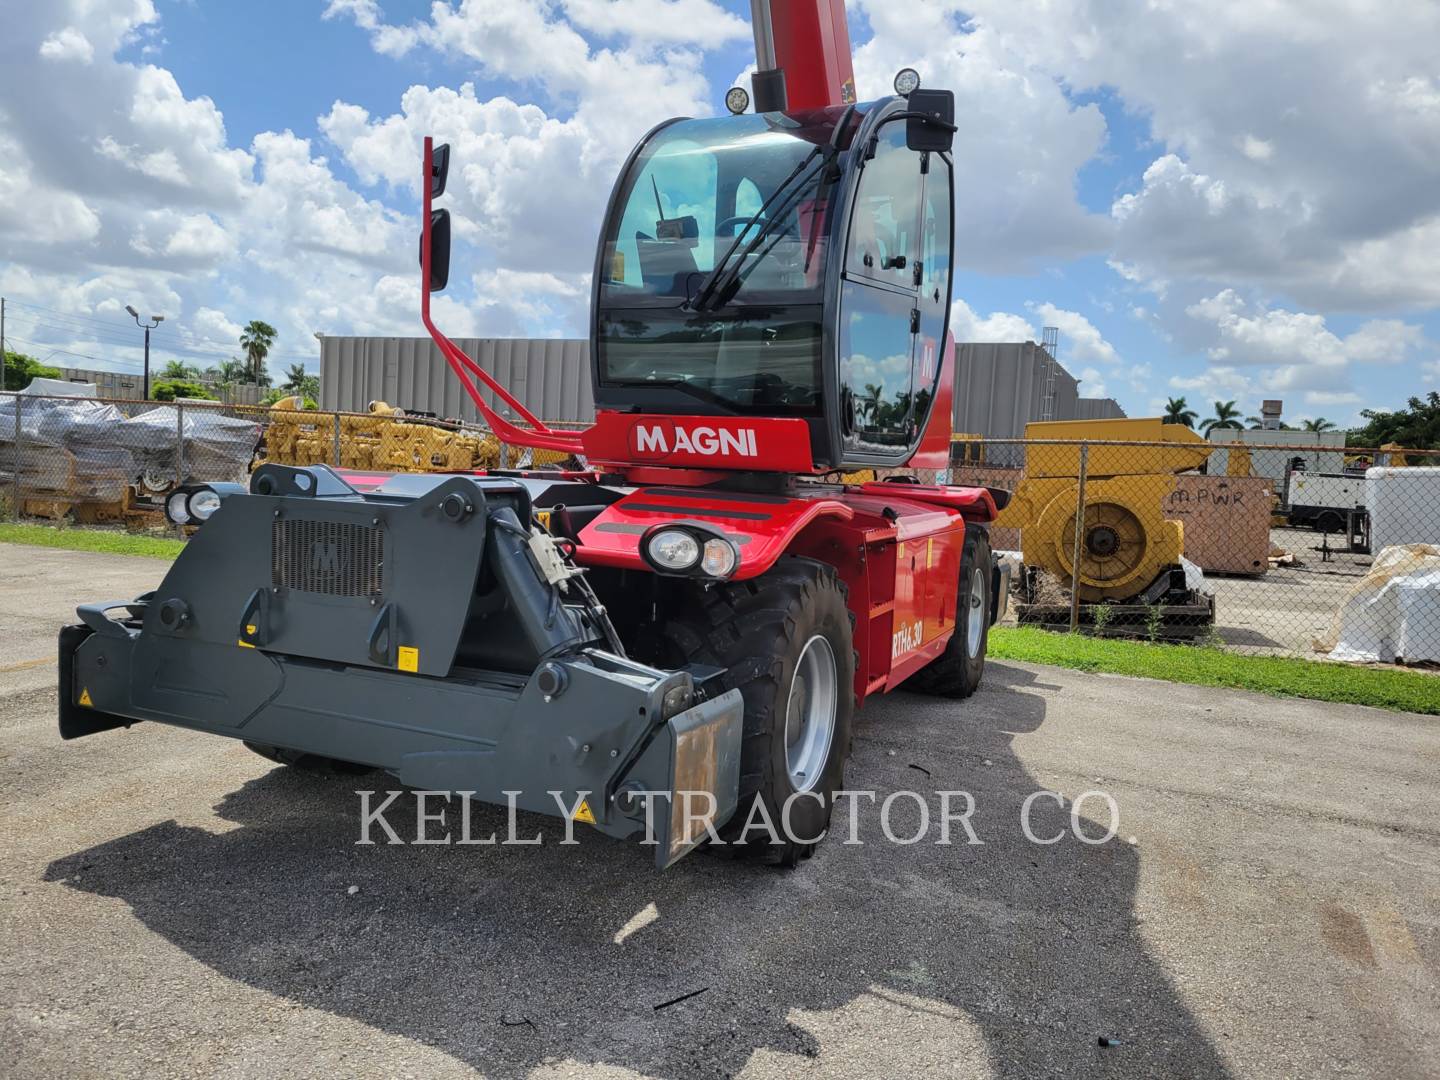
1404,506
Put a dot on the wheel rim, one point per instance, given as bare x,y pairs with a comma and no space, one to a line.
975,626
810,713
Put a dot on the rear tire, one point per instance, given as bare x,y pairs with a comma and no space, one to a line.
786,642
956,672
1329,522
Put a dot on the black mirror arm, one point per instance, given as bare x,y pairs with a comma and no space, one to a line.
927,118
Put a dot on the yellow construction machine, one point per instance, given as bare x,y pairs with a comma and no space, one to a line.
1129,552
384,440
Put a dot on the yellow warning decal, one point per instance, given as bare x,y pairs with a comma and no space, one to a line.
407,658
243,644
930,552
250,629
85,698
584,814
543,516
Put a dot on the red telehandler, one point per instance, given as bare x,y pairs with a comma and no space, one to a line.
692,617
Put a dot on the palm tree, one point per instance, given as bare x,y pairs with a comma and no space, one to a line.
871,403
178,370
1226,416
1318,424
256,339
229,371
294,378
1255,422
1176,412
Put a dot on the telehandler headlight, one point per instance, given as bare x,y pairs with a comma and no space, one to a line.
175,508
203,503
691,550
196,503
673,549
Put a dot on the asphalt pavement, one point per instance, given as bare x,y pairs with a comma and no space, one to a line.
172,905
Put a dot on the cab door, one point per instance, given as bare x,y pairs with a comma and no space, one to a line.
880,312
932,277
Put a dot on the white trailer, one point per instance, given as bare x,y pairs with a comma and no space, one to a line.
1323,501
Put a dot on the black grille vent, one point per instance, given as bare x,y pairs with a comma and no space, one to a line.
331,557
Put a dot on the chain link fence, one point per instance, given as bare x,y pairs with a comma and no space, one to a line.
113,461
1276,549
1280,549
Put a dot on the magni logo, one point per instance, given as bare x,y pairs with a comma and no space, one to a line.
661,439
325,558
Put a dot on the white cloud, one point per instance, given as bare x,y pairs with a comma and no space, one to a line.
1298,149
1270,336
1080,341
1020,139
68,44
687,22
966,325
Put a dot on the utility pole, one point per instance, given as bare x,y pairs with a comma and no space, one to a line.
3,357
155,320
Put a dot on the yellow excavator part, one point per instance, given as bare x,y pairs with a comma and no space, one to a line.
383,440
1127,541
1187,450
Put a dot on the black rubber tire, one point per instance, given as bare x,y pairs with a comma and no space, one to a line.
1329,522
955,673
306,762
757,630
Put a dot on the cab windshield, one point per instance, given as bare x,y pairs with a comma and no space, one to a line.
696,187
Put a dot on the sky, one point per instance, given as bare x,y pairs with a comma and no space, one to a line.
1231,200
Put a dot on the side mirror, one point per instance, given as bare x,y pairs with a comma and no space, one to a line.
930,120
439,249
439,169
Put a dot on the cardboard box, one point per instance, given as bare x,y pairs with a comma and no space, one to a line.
1226,519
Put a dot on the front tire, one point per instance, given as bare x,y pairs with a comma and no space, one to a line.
786,642
956,672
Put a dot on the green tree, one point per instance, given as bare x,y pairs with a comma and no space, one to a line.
170,389
1177,412
177,370
1226,416
256,339
20,369
1417,426
1318,424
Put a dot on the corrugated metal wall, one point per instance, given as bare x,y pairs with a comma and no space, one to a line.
1098,408
1000,387
550,376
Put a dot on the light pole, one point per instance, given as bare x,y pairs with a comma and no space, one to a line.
155,320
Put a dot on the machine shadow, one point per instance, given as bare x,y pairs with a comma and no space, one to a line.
508,957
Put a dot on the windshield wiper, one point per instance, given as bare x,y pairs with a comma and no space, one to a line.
711,285
707,287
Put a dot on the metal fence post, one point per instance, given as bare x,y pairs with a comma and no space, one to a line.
179,444
337,440
15,461
1079,539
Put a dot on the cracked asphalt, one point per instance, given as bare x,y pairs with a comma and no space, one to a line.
172,905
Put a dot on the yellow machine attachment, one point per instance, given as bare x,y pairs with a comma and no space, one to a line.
1127,541
385,440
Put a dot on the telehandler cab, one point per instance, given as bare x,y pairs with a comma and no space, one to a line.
687,623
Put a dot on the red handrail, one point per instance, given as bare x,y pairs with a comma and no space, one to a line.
539,435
